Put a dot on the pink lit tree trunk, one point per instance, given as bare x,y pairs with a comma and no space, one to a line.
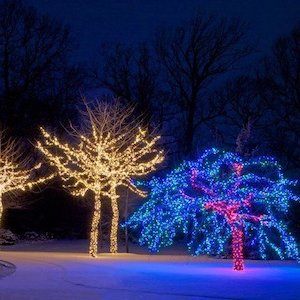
229,209
235,220
237,247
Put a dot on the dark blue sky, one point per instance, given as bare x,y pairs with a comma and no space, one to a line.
96,21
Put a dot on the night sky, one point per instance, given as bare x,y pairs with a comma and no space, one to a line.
97,21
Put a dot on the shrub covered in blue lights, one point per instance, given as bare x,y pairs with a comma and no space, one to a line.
210,199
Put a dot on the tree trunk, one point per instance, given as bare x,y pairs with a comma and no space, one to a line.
190,131
93,249
237,247
100,241
1,209
126,228
115,219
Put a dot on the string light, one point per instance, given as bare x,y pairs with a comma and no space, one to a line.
218,199
107,155
14,172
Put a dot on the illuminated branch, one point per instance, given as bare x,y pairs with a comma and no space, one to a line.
15,173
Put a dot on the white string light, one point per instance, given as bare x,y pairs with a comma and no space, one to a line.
14,172
110,151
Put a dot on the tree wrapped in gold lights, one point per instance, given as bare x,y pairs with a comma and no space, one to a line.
15,173
108,152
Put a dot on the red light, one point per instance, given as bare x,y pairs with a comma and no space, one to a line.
235,220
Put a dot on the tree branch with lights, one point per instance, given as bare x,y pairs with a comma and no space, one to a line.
108,151
15,171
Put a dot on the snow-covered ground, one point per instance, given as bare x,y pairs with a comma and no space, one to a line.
66,272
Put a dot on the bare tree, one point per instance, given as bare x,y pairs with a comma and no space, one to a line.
110,151
246,116
194,56
36,78
279,87
131,74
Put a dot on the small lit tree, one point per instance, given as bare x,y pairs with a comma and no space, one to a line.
15,173
110,150
218,199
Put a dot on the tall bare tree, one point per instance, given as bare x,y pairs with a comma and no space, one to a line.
37,81
131,74
279,87
246,116
194,56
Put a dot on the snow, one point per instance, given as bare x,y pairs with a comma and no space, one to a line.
66,272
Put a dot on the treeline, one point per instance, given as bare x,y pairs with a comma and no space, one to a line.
200,84
195,84
191,82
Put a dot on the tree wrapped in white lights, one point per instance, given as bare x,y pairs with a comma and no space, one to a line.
15,173
110,150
